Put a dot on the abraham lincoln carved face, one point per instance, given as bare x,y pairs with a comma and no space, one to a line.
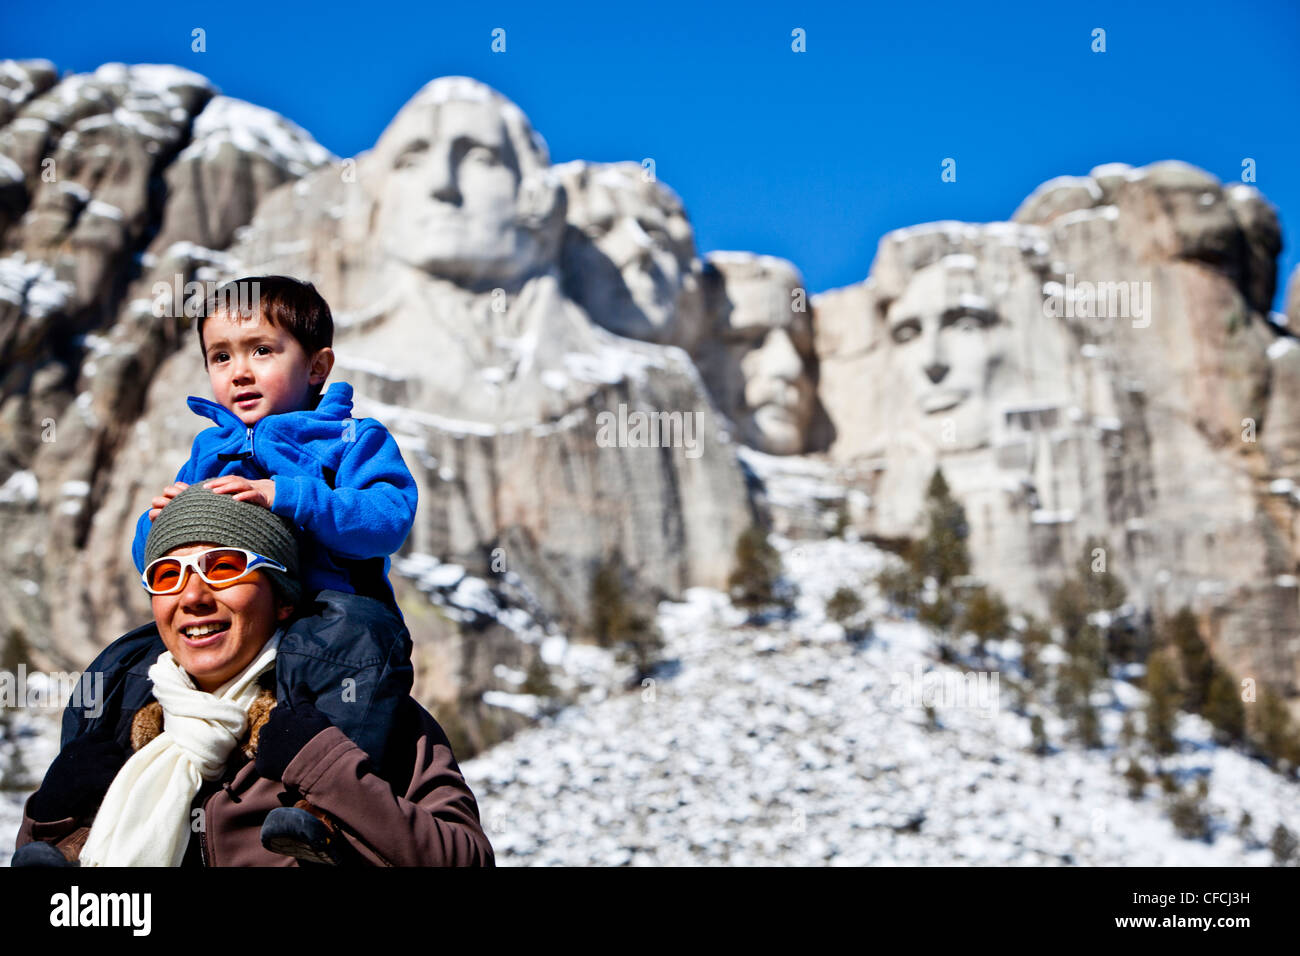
949,346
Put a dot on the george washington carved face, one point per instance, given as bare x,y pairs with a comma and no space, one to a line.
467,193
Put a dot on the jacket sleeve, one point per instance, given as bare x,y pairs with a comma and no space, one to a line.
435,822
69,834
143,524
369,511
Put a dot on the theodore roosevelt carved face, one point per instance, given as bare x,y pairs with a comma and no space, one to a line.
759,360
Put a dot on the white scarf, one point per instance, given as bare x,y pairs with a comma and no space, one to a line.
144,819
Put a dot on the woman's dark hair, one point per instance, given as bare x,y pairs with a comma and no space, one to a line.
283,301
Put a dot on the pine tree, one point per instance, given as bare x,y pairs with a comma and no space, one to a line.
608,599
1039,735
537,679
1085,661
1127,732
1074,685
1162,704
942,553
931,717
1067,689
753,581
1187,812
1168,786
985,616
1137,779
939,613
1273,733
844,608
1069,607
1244,832
900,587
1022,694
1197,665
615,621
643,643
1283,845
1224,708
1104,591
843,605
1092,589
1035,638
1088,726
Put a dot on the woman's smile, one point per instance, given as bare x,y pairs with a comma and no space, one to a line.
204,635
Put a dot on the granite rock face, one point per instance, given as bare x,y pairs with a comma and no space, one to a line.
441,253
570,380
107,172
1103,365
444,260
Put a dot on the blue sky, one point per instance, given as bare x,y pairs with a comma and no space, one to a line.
809,156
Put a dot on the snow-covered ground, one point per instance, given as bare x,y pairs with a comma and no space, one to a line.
28,744
787,744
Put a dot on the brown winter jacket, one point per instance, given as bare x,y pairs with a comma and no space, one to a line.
434,821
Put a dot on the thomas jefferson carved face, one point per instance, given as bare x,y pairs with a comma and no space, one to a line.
629,254
466,192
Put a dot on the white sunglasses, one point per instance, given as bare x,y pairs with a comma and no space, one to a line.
217,566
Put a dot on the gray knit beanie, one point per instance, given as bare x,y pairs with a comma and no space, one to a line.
198,515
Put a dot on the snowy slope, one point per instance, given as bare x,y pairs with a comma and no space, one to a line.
783,744
29,741
780,745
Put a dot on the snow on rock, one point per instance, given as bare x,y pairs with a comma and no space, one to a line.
771,745
255,129
1280,347
33,286
19,488
10,171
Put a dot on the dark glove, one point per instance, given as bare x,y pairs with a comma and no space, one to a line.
76,782
291,726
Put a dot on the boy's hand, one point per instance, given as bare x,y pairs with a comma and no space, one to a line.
170,492
259,491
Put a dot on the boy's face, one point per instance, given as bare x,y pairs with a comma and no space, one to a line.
258,369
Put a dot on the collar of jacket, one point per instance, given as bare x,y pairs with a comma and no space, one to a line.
148,720
335,403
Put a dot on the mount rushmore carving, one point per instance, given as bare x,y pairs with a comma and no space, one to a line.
491,306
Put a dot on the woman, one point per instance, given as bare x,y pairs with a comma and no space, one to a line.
191,775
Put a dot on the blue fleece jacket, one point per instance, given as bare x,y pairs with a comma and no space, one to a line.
341,480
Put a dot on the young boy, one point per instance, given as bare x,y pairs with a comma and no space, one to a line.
278,442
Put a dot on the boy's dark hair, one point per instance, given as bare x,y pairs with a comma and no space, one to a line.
283,301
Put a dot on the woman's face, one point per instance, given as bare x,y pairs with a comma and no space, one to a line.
246,613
